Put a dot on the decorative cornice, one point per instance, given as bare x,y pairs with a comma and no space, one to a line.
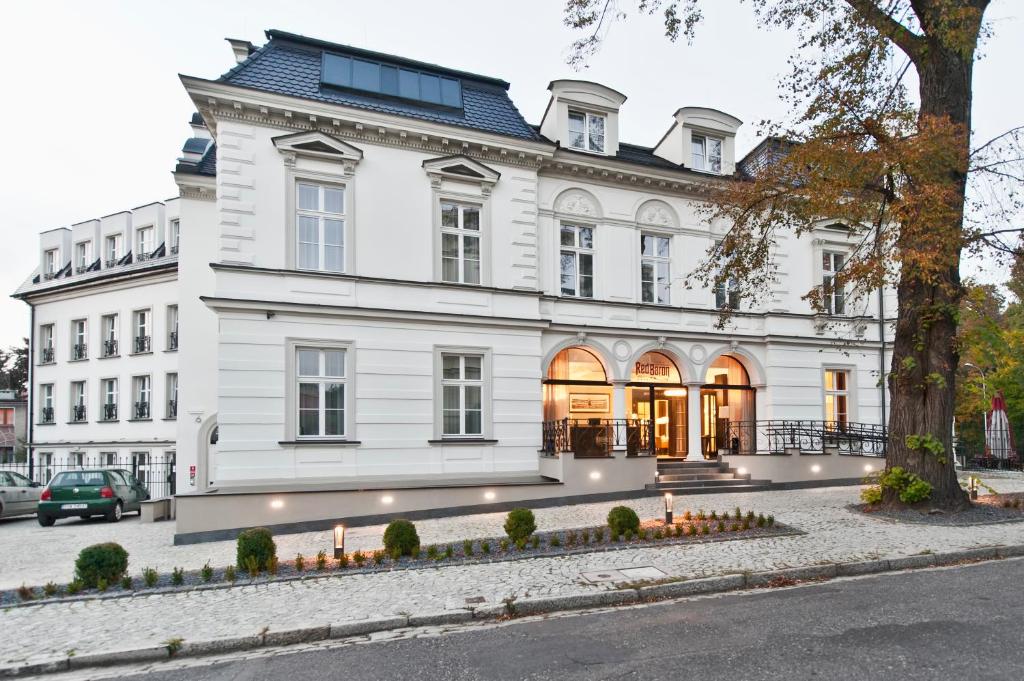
198,187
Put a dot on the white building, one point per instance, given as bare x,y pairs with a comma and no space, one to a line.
391,281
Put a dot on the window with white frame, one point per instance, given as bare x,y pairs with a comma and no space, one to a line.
460,243
51,262
83,255
46,344
172,396
586,131
727,295
145,242
141,327
108,328
462,384
577,260
655,269
78,401
109,396
46,403
112,249
76,459
108,459
837,382
172,327
707,153
320,227
833,294
174,230
320,375
141,392
79,339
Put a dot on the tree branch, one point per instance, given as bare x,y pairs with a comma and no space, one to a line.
911,43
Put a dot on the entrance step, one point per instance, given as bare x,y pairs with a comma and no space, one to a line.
703,477
679,477
684,489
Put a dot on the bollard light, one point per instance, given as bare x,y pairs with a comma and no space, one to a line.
339,541
668,508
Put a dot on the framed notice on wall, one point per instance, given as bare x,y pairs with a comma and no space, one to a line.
595,403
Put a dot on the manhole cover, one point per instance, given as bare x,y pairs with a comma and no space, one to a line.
475,599
603,576
647,572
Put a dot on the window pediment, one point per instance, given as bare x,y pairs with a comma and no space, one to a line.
460,168
318,145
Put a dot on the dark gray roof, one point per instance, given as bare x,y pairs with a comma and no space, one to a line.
289,64
207,165
195,145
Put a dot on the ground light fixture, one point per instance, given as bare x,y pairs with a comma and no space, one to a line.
387,499
277,503
815,468
339,541
489,495
595,475
668,508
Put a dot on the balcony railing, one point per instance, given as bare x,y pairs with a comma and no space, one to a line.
47,276
78,413
46,415
597,437
142,344
172,409
174,249
142,410
110,412
46,355
111,262
142,256
109,348
805,437
172,340
79,351
79,269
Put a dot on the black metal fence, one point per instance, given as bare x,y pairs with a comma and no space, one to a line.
977,459
597,437
154,470
806,437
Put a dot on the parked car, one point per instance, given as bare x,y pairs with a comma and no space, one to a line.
18,494
107,492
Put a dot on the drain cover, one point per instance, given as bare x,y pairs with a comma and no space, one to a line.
475,599
603,576
647,572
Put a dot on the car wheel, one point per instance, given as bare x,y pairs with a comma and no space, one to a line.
116,513
45,520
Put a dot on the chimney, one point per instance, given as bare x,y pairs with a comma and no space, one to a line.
241,49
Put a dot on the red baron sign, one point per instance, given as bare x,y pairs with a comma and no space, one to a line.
651,372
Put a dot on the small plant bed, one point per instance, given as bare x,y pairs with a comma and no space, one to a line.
690,528
988,509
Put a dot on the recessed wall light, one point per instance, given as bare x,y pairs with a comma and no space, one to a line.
277,503
488,495
386,499
595,475
815,468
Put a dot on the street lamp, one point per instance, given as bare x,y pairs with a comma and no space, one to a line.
339,541
668,508
984,399
984,390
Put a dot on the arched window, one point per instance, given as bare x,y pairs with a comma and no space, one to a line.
576,364
726,370
655,367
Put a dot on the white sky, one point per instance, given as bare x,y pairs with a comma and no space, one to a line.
96,116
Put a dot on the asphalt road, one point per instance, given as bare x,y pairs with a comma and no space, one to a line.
961,623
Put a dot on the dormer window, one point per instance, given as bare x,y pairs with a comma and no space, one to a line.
50,265
112,251
145,241
707,153
586,131
83,256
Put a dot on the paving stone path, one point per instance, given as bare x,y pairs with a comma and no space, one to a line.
833,533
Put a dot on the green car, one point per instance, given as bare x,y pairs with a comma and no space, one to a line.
110,493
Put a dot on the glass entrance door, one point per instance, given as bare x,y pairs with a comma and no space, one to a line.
665,408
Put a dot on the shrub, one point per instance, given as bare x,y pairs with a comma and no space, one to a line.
521,543
701,515
51,589
770,520
570,538
599,535
127,583
101,585
107,561
910,488
554,541
621,519
252,566
206,572
721,526
378,557
343,560
760,520
746,523
401,535
713,516
739,514
917,491
503,544
229,573
687,515
485,547
300,562
690,530
535,541
734,527
415,553
25,593
704,529
321,560
520,524
585,536
467,547
658,534
74,586
448,551
627,535
358,558
272,565
396,555
177,576
432,552
257,543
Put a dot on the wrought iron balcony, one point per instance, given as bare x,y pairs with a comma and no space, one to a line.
807,437
79,269
110,411
142,344
109,348
79,351
47,276
46,355
597,437
142,410
46,415
111,262
174,249
172,409
142,256
78,413
172,340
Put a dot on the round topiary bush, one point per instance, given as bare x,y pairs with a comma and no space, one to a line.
400,537
107,561
520,524
258,543
623,519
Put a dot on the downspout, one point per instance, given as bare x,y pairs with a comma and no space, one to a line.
31,390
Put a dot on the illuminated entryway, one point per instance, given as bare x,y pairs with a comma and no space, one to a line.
726,402
655,393
576,387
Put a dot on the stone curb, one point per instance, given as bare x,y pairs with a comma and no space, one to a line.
521,607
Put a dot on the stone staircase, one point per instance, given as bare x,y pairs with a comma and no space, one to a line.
703,477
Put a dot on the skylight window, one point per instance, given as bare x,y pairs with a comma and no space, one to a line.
385,79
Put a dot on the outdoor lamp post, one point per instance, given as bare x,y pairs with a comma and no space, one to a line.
339,541
668,508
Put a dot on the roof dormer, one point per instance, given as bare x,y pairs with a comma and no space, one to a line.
701,139
583,116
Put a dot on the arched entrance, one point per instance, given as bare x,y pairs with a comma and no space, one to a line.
726,401
655,393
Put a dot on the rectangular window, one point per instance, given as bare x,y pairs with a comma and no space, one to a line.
144,243
462,395
707,153
320,375
108,326
6,416
172,327
655,269
108,459
174,230
46,344
112,250
460,243
51,266
79,336
141,391
76,459
836,398
141,324
172,396
577,261
46,403
586,131
727,295
83,256
834,295
320,227
78,401
109,396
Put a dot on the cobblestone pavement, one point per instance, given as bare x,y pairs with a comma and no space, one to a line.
833,534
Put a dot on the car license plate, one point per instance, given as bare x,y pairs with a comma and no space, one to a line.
72,507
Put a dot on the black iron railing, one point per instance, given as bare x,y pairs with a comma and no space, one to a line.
174,249
111,262
46,355
110,412
597,437
805,437
172,409
142,343
172,340
78,413
109,348
142,410
79,351
155,470
46,415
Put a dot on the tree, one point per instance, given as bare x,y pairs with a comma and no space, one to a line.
898,174
14,368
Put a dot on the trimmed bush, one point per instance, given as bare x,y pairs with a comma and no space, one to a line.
101,561
622,519
256,543
520,524
401,536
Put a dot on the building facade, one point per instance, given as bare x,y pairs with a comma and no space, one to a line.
389,275
13,427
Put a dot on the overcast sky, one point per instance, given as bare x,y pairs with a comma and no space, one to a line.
95,114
